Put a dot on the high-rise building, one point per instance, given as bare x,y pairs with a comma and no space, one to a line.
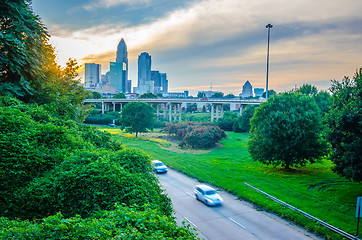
247,90
156,78
117,79
92,75
258,92
122,55
145,84
164,82
119,69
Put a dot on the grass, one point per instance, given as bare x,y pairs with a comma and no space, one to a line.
314,188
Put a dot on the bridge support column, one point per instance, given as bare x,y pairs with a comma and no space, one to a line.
217,112
164,110
212,112
102,108
158,111
180,110
241,109
170,112
114,106
222,110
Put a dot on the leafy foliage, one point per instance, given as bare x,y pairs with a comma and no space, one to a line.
119,95
28,70
148,95
137,117
322,98
122,223
242,124
196,135
226,123
286,130
345,127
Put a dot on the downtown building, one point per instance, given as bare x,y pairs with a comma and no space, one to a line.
247,90
145,83
118,73
92,75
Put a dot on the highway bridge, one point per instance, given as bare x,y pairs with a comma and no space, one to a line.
172,107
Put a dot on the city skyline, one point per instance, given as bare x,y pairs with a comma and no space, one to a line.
218,41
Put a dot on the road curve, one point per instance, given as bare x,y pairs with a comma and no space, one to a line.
233,220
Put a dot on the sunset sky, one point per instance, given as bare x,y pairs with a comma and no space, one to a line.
222,43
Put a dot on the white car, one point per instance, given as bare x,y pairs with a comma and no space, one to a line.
208,195
159,167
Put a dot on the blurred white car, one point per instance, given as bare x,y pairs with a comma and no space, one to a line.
208,195
159,167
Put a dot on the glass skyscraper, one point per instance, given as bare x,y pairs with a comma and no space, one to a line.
92,75
145,83
119,69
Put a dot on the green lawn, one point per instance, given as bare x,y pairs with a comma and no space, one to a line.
313,188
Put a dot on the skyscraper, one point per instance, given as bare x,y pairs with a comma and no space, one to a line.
145,84
119,69
156,78
92,75
118,76
247,90
164,82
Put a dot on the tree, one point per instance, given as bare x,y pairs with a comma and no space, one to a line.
137,117
322,98
308,90
148,95
286,130
271,92
218,95
345,127
119,95
230,95
242,124
201,95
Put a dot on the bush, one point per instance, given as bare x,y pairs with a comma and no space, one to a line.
196,135
121,223
90,181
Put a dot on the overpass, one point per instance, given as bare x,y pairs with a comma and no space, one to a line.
174,105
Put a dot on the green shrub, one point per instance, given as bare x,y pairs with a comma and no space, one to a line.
121,223
196,135
91,181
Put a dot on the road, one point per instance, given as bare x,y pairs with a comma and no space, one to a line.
233,220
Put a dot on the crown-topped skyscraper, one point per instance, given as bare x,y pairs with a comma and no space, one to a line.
119,69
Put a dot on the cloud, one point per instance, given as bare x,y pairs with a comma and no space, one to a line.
96,4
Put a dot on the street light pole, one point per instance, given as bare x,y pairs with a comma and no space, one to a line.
269,26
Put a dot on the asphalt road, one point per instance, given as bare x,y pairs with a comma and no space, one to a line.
233,220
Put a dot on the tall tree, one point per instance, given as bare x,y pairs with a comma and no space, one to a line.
286,130
24,49
148,95
137,117
345,127
322,98
28,70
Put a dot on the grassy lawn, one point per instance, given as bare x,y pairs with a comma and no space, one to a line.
313,188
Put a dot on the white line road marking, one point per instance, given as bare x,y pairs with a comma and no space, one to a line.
191,195
236,222
191,223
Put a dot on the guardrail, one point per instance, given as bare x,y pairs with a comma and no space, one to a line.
332,228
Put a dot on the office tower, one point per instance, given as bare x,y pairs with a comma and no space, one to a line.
164,82
247,90
92,75
145,84
156,78
117,79
258,92
129,86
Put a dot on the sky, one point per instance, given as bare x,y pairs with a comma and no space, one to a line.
214,45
